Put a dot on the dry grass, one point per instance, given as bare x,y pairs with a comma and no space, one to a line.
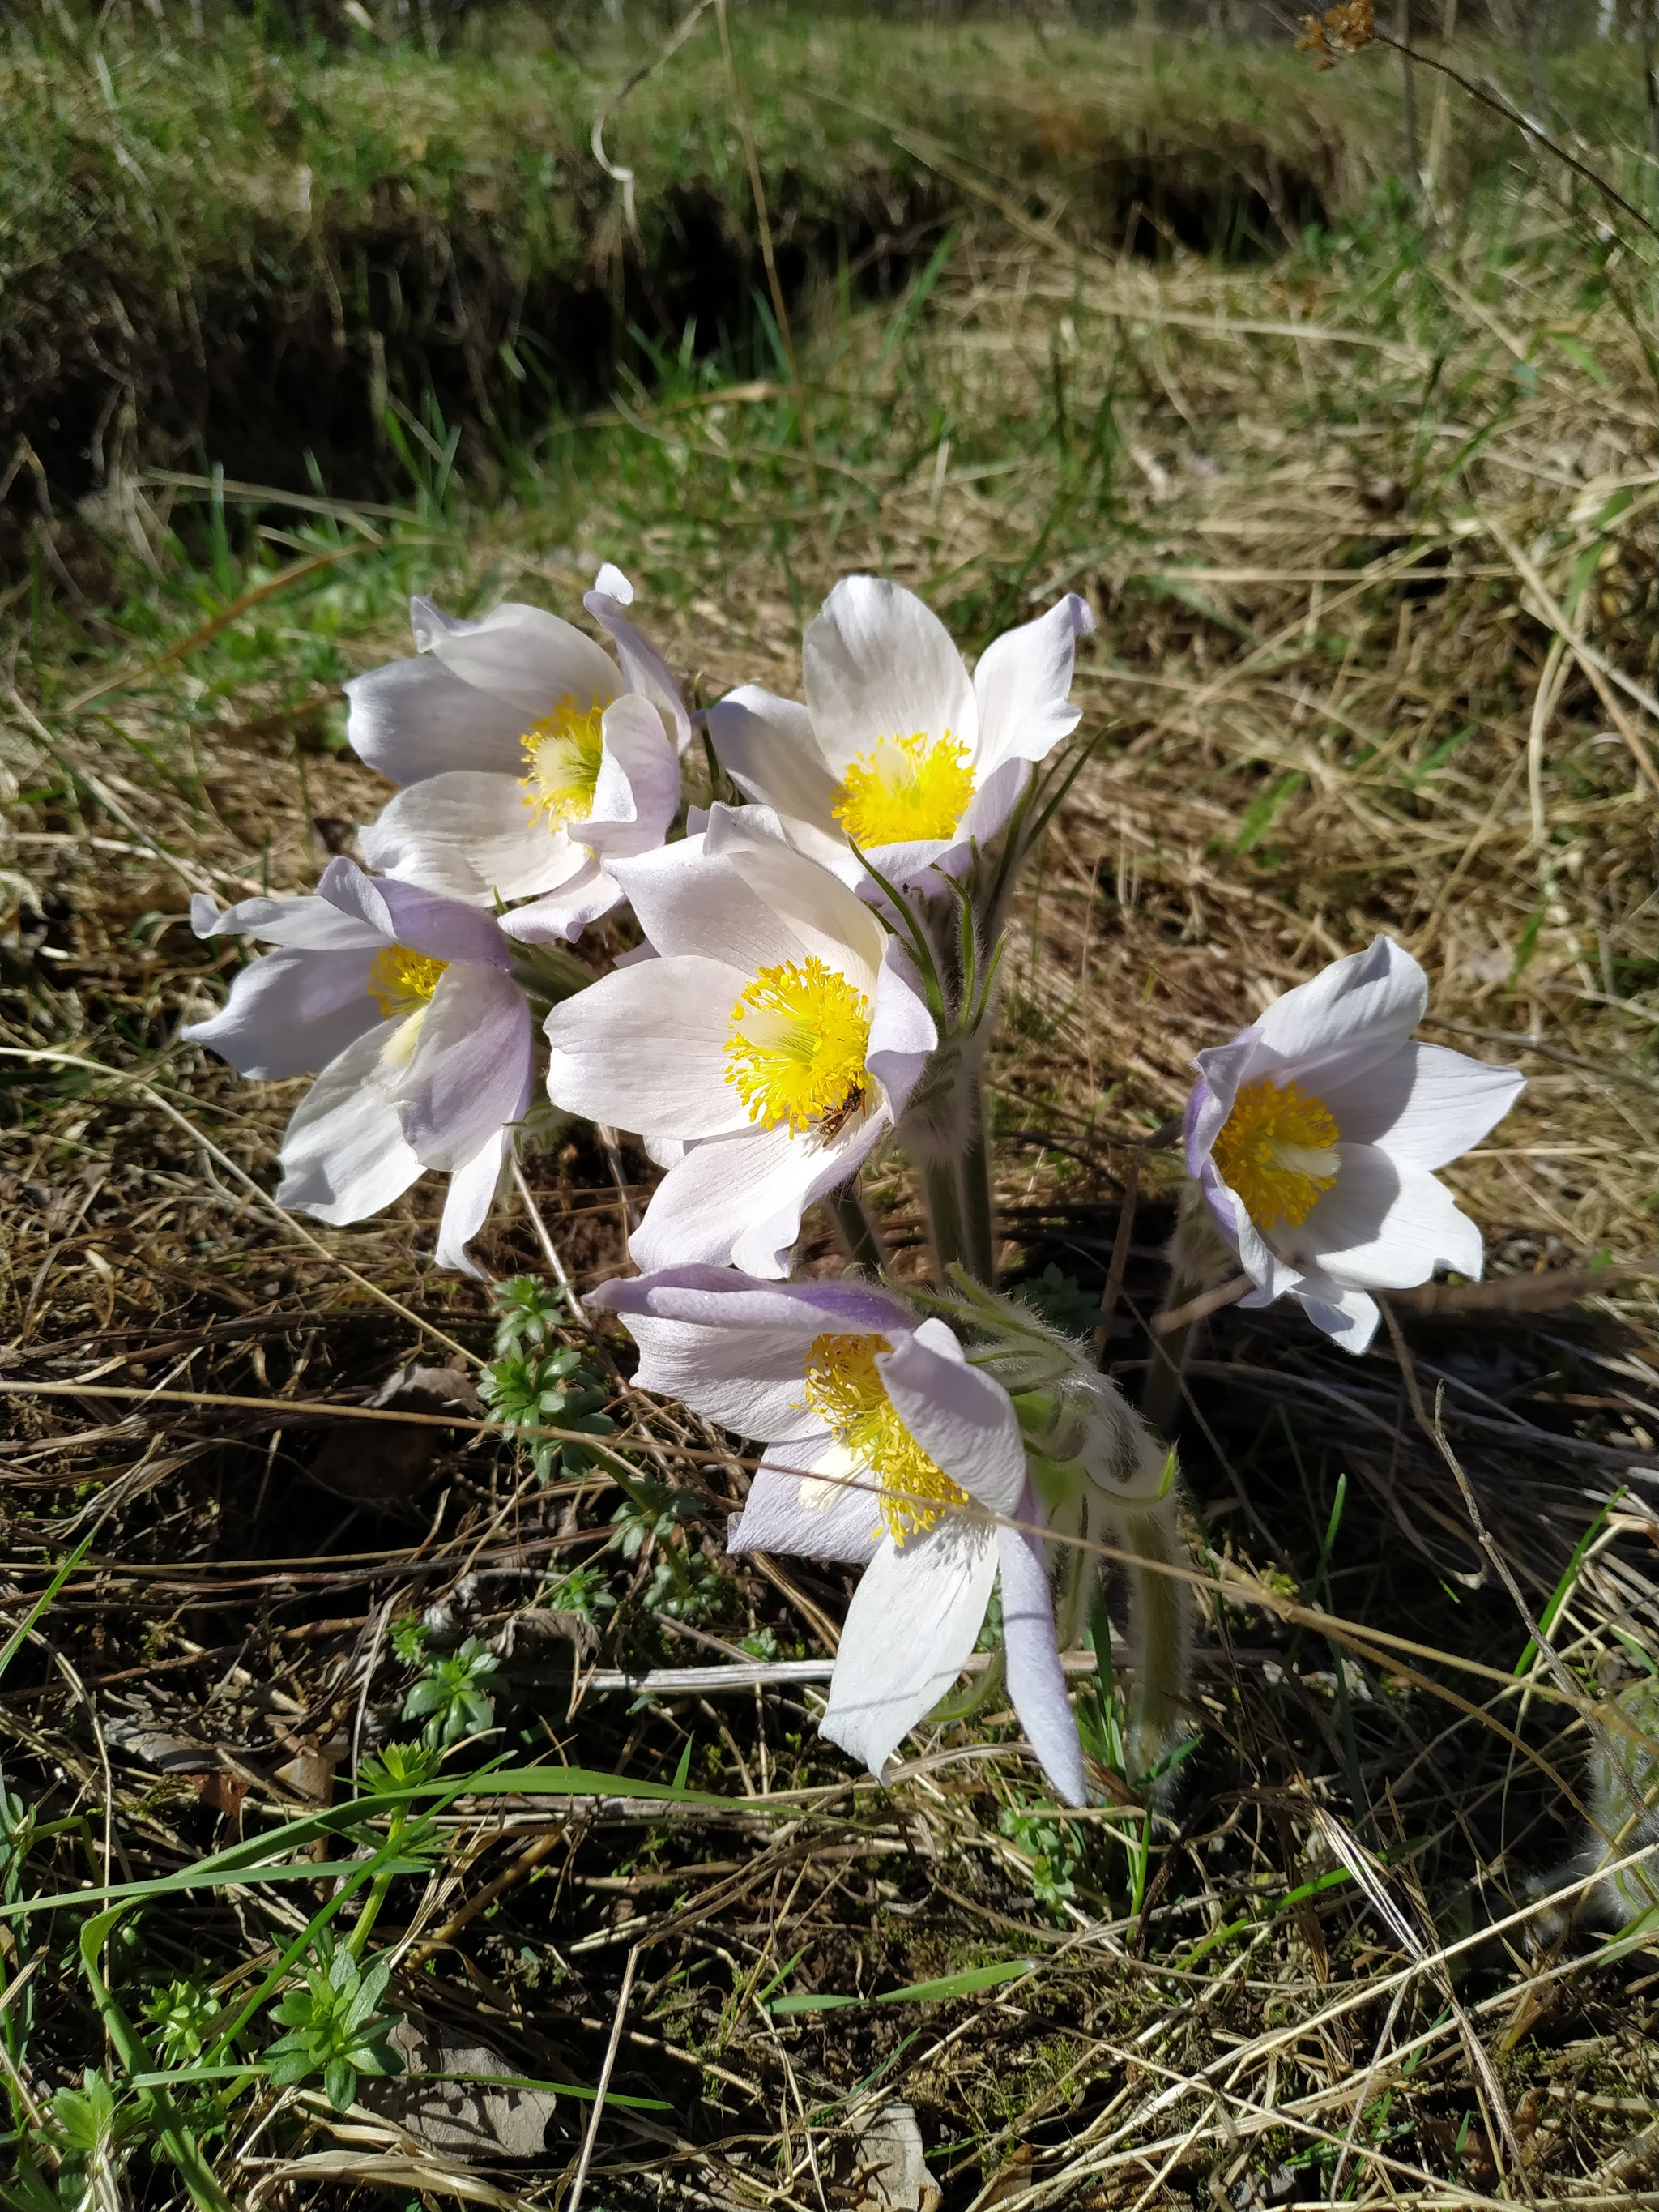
1333,514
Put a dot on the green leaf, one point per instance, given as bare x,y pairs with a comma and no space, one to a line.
340,2084
963,1984
1580,356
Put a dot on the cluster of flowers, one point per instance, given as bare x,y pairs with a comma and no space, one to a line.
818,972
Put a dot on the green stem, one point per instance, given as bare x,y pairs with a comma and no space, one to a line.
978,1206
856,1227
1160,1622
972,1700
947,1231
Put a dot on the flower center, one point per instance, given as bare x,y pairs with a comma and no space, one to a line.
1278,1150
796,1051
905,788
844,1389
563,751
404,981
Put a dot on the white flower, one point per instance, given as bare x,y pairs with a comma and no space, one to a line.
402,998
529,758
1314,1135
761,1053
885,1448
895,748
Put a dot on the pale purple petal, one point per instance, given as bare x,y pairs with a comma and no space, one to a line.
1383,1225
688,902
738,1200
470,1070
343,1155
306,924
827,921
1365,1006
1036,1681
559,916
291,1012
901,1030
638,792
424,921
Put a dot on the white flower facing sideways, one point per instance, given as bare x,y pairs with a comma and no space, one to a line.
896,748
772,1041
402,1000
529,758
886,1449
1313,1136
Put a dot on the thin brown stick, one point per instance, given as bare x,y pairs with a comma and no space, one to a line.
573,2202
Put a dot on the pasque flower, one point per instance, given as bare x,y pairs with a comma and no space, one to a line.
885,1448
896,748
764,1050
403,999
529,758
1313,1136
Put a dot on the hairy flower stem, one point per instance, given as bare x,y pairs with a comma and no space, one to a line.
978,1206
856,1227
974,1700
1161,1399
1160,1631
947,1231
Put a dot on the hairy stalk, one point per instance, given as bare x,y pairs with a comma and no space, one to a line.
1160,1632
947,1231
978,1204
1160,1400
855,1226
972,1700
1199,1260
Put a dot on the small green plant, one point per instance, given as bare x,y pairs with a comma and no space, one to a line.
337,2029
526,1391
1058,1299
1051,1847
410,1637
182,2016
451,1697
584,1590
527,1313
395,1767
88,2129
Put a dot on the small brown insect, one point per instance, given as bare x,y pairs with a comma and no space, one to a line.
838,1116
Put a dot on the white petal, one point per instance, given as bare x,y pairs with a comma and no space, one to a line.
412,719
1349,1316
466,1207
767,747
561,915
878,664
469,837
914,1619
343,1155
686,902
828,922
735,1348
524,655
290,1013
612,581
1369,1004
645,672
638,792
738,1200
992,802
964,1420
1036,1681
810,1496
646,1048
1425,1104
1383,1225
901,1030
470,1070
1022,685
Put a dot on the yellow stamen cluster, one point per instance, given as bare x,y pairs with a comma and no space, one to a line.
1278,1150
563,749
403,980
796,1046
905,789
844,1389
